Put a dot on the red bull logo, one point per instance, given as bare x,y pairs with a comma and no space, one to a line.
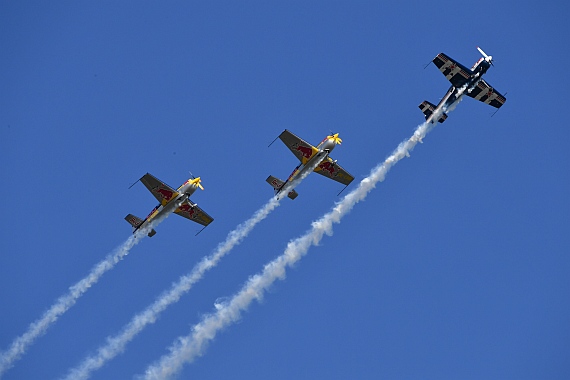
164,193
306,151
187,209
328,167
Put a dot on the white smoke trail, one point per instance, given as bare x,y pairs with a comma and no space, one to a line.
187,348
116,344
65,302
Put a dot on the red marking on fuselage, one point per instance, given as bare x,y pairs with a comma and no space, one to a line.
306,151
152,212
328,167
293,174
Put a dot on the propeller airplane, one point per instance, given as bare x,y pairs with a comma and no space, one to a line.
310,157
464,81
177,201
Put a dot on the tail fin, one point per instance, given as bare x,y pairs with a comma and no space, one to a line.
428,108
277,184
136,222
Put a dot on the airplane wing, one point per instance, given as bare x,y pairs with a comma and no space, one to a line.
300,148
454,71
161,191
487,94
194,213
334,171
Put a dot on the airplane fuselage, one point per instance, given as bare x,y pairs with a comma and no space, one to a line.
325,147
309,166
444,103
185,191
455,93
313,158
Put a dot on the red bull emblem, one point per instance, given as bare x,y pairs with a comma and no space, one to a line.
306,151
188,209
164,193
328,167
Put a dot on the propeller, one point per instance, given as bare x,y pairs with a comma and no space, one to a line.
488,58
196,181
337,140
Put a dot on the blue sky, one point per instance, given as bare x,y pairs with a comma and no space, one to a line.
454,267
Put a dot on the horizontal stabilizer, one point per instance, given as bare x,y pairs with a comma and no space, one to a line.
134,220
428,108
277,184
292,194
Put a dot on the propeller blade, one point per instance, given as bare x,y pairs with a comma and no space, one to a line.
337,140
482,52
198,183
488,58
